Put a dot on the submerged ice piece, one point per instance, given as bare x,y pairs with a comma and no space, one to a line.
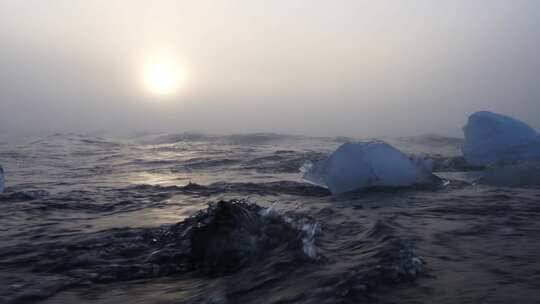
492,138
1,179
358,165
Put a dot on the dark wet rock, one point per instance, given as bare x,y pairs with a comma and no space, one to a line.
229,235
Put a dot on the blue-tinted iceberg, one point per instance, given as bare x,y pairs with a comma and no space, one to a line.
359,165
492,138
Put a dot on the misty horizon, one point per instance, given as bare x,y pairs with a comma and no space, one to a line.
353,68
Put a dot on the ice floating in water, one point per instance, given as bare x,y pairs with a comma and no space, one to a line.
1,180
358,165
492,138
517,174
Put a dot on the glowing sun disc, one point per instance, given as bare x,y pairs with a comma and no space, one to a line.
163,78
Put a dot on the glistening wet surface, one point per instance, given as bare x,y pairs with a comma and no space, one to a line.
95,220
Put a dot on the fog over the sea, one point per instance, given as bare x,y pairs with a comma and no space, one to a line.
352,68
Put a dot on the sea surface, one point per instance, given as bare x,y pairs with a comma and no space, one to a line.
88,219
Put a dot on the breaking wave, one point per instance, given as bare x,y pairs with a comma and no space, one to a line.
224,239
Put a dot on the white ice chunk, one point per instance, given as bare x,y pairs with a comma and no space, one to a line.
492,138
358,165
518,174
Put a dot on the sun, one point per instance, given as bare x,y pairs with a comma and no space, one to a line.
163,77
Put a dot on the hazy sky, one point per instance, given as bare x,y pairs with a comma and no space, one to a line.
353,68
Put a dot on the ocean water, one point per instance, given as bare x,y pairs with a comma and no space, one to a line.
89,219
